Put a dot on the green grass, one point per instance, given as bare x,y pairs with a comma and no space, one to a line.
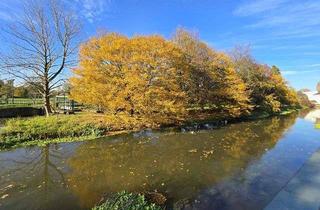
263,114
65,128
11,144
318,126
288,111
41,130
20,102
127,201
37,103
4,106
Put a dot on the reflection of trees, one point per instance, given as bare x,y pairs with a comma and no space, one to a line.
304,112
178,164
36,177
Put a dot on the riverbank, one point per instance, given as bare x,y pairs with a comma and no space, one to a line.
41,131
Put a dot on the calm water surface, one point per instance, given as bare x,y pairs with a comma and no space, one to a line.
240,166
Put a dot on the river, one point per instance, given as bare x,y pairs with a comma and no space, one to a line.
239,166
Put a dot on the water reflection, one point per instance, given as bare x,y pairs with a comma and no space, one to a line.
30,179
178,164
240,166
313,116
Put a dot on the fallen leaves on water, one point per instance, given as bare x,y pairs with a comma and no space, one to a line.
7,187
206,153
192,150
4,196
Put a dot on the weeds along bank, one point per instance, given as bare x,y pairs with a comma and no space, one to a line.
149,81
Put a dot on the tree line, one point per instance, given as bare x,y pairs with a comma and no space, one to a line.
146,76
167,79
8,89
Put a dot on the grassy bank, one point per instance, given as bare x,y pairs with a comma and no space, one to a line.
86,126
65,128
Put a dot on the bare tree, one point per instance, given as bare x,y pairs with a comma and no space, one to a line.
241,53
43,43
243,61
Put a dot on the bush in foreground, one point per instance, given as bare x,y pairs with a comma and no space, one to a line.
127,201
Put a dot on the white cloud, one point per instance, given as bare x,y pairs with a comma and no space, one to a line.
92,10
286,18
299,72
315,65
301,15
255,7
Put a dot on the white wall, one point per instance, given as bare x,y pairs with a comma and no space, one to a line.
313,96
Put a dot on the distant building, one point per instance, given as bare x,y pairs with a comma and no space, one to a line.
313,96
313,116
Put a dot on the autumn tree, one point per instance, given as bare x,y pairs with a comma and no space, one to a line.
275,70
267,88
154,78
213,81
42,43
137,76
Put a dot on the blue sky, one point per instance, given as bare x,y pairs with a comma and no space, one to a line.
285,33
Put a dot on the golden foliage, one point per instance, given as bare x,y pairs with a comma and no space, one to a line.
267,88
137,76
213,79
157,80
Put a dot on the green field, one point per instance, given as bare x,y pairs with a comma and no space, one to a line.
56,102
20,102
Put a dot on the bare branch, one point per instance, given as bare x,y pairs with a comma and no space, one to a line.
42,46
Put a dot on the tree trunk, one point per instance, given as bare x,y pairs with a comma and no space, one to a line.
46,100
47,106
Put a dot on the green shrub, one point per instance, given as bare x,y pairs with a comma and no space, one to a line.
127,201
